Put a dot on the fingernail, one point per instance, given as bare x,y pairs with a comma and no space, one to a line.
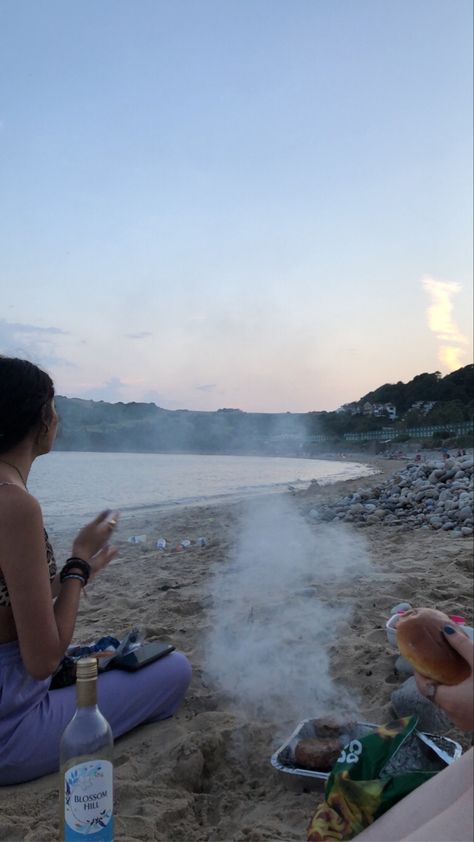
449,630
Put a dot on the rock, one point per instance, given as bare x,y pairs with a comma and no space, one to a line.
419,497
402,666
407,700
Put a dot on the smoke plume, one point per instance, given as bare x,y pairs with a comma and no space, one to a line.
277,611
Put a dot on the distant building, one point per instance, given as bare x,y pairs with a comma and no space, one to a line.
423,407
379,409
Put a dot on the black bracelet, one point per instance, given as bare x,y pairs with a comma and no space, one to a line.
73,564
80,578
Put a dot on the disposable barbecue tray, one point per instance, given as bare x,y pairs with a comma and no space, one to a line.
420,751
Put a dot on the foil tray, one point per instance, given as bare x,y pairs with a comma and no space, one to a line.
428,752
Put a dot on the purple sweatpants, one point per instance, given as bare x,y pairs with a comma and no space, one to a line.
32,718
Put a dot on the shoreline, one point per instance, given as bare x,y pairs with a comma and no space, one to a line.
66,520
206,773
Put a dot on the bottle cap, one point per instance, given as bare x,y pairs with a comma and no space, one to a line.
86,668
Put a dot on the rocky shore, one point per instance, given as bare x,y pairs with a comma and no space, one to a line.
424,495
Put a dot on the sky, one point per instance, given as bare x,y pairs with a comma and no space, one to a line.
258,204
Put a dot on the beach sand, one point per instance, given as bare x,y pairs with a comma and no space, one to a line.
206,773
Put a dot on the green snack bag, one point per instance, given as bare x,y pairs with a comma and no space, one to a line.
361,787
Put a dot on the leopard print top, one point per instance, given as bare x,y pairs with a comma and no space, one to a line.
4,596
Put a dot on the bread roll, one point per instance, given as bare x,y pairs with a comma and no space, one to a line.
421,641
319,755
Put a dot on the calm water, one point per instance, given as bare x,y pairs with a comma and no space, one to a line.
72,484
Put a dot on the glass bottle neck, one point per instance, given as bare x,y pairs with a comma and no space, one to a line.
86,693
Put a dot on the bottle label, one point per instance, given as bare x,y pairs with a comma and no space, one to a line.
88,801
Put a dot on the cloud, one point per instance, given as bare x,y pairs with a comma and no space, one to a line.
451,340
452,358
142,335
18,327
32,342
207,387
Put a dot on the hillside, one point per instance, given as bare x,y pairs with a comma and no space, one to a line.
145,427
99,426
457,386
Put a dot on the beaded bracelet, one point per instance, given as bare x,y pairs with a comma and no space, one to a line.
77,576
73,564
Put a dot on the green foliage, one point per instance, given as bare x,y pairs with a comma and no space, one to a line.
457,386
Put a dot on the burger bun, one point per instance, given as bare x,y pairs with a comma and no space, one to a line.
421,641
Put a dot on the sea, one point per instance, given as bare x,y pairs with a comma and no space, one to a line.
71,485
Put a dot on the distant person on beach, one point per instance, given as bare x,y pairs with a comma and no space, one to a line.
38,607
441,810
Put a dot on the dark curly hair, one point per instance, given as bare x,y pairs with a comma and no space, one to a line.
26,393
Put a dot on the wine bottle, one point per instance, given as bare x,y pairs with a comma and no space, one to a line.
86,770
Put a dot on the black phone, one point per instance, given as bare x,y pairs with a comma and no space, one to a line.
139,658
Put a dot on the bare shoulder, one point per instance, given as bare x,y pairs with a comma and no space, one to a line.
18,507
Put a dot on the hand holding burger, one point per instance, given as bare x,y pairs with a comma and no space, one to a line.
443,659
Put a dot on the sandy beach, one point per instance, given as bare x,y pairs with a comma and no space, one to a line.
206,773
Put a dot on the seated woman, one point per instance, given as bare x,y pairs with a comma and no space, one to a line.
38,608
441,810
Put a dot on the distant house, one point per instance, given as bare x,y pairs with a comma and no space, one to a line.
391,410
423,407
380,409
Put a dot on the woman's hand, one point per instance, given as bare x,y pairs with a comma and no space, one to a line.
93,538
457,700
102,559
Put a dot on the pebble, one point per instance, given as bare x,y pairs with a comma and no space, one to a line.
422,496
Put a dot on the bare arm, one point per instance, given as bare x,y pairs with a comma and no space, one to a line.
44,631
